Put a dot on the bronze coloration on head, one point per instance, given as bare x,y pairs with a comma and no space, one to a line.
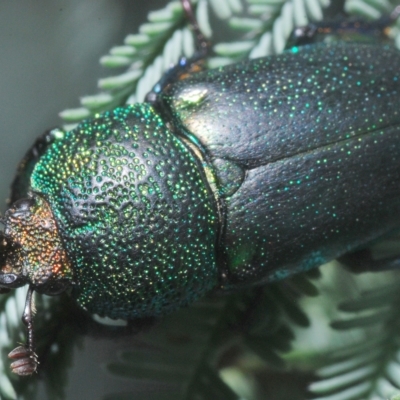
32,249
31,253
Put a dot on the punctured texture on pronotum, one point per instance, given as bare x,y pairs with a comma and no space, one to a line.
134,211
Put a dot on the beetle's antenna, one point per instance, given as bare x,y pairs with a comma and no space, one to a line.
203,45
26,359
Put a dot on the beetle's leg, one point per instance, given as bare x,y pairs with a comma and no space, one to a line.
26,361
351,29
363,261
203,45
21,184
184,67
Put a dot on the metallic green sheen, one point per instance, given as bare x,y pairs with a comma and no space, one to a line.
135,214
306,150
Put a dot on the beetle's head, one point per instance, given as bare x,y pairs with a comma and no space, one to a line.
31,250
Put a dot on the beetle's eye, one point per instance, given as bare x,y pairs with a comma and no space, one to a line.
9,271
10,274
8,279
11,281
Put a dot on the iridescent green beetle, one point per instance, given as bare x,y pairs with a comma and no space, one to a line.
230,177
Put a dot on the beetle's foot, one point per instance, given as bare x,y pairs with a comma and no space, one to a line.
26,361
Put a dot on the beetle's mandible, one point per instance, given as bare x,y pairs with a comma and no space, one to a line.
224,178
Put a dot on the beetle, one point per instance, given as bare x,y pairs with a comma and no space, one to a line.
223,178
